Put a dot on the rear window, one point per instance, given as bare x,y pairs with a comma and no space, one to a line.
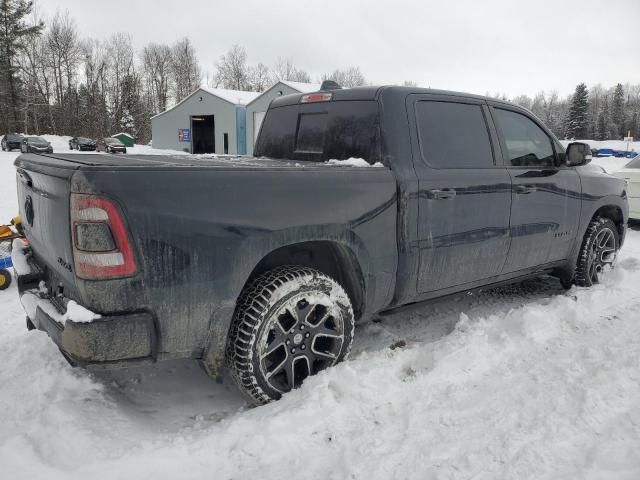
321,131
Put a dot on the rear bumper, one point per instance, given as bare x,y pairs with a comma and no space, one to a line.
111,340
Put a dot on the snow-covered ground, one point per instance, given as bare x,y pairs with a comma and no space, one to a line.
527,381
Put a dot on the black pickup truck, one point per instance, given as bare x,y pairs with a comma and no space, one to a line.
263,265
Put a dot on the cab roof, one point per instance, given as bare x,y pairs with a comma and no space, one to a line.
375,92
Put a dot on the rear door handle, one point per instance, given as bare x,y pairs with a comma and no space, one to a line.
441,194
524,189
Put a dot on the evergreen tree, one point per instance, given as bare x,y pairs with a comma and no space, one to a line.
634,125
577,122
617,111
13,33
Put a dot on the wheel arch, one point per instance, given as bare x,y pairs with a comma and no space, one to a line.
614,213
329,257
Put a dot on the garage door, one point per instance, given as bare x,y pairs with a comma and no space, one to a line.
258,117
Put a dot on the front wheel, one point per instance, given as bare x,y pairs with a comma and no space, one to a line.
290,323
598,252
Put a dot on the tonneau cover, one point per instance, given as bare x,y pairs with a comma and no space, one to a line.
99,161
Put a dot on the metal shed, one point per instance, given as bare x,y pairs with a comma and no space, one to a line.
257,107
125,138
210,120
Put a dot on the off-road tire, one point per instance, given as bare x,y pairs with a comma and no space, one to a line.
260,311
588,273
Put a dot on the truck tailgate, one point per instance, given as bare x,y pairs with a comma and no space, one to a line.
43,199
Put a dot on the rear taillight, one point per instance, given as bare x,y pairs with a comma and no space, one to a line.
101,246
316,97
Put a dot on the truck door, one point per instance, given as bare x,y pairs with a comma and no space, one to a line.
545,206
464,195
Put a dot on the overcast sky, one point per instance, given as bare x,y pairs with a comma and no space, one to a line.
506,46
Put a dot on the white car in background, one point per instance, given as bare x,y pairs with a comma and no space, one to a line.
631,174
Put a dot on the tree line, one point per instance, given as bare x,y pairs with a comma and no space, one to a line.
54,81
598,113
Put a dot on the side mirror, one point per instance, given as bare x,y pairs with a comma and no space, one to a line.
578,154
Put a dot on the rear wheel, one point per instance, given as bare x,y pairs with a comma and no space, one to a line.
290,323
598,252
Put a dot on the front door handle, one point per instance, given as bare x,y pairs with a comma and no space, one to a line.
441,194
524,189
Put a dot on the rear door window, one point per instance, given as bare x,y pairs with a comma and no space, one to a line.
453,135
527,144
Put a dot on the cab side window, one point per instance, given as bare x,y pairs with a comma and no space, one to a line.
453,135
527,144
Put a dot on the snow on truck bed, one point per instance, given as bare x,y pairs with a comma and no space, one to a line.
527,381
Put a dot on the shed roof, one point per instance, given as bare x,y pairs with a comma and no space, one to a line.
235,97
122,133
298,86
302,87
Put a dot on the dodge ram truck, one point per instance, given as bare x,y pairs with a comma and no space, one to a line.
262,265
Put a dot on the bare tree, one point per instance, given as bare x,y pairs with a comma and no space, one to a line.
258,78
286,70
185,70
232,70
121,64
350,77
64,55
157,65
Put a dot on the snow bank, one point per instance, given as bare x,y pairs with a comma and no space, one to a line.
353,162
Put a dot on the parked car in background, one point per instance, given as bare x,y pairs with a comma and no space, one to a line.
82,143
605,152
631,175
11,141
110,145
35,145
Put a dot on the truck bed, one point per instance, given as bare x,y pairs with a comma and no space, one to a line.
199,225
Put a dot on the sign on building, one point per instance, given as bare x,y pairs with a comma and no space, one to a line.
184,135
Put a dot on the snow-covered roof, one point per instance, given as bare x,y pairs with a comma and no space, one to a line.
122,133
235,97
298,86
302,87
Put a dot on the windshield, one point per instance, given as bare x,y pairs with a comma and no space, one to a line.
321,131
13,137
635,163
84,140
114,141
36,139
